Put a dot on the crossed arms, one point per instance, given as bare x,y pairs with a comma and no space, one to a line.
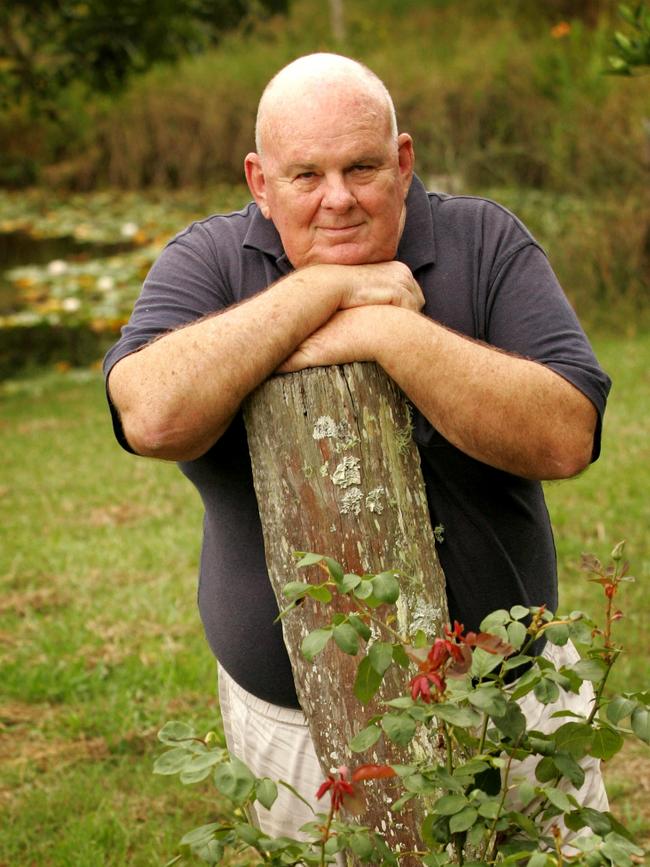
178,394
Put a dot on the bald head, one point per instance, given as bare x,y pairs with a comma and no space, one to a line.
300,86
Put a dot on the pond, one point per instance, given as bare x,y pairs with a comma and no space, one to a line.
20,248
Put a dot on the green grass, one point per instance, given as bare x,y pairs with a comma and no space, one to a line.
101,642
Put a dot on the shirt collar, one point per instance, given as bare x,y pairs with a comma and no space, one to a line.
416,247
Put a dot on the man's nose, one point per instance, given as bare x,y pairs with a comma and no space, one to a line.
337,195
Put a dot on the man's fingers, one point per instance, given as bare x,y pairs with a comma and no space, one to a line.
382,283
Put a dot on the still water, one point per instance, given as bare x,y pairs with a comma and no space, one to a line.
19,248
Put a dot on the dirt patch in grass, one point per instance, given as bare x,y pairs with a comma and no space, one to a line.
45,754
28,601
22,741
38,425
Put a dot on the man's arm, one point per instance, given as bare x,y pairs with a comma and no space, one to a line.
510,412
178,394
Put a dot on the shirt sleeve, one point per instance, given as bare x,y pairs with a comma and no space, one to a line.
184,284
526,312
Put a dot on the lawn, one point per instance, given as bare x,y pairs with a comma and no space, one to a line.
101,641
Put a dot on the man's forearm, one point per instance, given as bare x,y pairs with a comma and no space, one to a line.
177,395
507,411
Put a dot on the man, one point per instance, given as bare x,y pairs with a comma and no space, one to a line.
345,257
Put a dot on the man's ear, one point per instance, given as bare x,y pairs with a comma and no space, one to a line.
257,182
406,159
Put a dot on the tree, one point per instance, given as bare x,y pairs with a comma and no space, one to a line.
47,44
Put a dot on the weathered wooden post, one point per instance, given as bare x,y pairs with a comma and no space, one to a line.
337,472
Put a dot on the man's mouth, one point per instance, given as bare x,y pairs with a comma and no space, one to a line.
336,231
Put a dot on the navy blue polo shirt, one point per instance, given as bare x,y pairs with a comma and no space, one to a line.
482,274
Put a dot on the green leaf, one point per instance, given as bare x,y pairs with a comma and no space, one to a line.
188,776
381,656
518,612
496,618
569,768
575,738
489,700
334,568
618,849
247,833
590,669
349,582
295,589
558,635
315,642
546,691
641,723
449,805
606,742
400,656
266,792
559,799
399,728
401,702
385,587
463,820
619,708
234,780
526,792
594,819
542,744
512,723
200,835
545,770
516,661
346,637
483,662
361,628
308,559
205,760
435,830
363,590
365,739
367,681
525,823
397,805
539,859
174,731
320,593
172,761
490,808
361,844
466,717
436,860
516,634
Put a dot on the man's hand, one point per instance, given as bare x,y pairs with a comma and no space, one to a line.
344,338
348,335
361,285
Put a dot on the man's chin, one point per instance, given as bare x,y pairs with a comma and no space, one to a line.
344,254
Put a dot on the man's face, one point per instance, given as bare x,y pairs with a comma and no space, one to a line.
333,180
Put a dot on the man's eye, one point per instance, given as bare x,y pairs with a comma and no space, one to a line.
306,176
362,168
